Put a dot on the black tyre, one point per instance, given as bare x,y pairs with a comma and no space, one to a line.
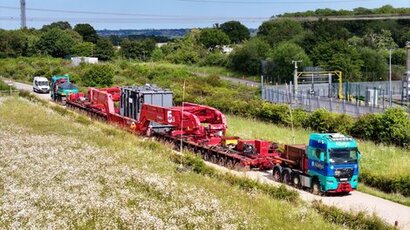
221,161
286,177
238,167
213,159
229,164
276,175
296,180
316,187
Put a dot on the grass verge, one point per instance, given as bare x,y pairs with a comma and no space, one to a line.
168,190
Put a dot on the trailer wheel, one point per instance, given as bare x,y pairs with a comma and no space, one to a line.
213,159
206,156
276,175
286,177
221,161
229,164
315,187
238,167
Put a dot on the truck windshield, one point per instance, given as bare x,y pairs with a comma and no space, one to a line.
343,155
42,83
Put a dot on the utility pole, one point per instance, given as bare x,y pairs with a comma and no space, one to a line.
23,13
390,92
295,77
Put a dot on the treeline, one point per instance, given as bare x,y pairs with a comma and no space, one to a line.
360,49
386,9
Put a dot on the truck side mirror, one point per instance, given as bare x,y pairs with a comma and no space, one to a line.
322,156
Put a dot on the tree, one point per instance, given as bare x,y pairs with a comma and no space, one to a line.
187,50
235,31
211,38
98,76
62,25
247,58
283,55
12,43
137,49
104,49
374,64
382,40
56,42
338,55
84,49
87,32
281,30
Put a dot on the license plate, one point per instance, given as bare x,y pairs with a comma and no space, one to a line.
343,179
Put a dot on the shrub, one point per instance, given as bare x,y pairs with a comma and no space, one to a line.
322,121
98,76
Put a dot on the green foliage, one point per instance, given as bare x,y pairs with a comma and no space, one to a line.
62,25
282,56
374,64
13,43
235,31
87,32
98,76
211,38
104,49
56,42
388,184
352,220
338,55
137,49
247,58
393,126
187,50
84,49
214,59
277,31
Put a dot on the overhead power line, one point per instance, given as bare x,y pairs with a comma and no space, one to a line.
272,2
130,20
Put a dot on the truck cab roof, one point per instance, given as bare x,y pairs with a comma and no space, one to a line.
39,78
331,140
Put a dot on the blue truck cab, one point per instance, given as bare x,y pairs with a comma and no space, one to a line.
333,163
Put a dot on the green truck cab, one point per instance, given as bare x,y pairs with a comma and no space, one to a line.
61,87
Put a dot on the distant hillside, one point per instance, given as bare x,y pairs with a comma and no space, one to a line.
169,33
150,33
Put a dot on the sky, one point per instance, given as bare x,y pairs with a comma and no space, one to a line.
165,14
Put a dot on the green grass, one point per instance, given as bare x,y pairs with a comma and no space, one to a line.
398,198
258,210
377,160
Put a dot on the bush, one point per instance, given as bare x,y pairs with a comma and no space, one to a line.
98,76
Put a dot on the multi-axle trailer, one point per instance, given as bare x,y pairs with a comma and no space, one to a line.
328,164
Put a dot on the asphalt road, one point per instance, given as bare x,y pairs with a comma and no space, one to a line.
356,201
22,86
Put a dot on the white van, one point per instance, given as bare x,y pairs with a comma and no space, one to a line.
41,85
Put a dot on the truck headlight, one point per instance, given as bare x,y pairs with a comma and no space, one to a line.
337,173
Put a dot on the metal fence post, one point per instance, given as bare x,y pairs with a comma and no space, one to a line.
330,105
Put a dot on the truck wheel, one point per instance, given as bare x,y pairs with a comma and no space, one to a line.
316,187
286,177
276,175
296,180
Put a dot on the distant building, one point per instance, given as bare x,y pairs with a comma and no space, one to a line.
75,61
161,44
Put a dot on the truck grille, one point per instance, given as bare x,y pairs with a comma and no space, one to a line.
344,173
